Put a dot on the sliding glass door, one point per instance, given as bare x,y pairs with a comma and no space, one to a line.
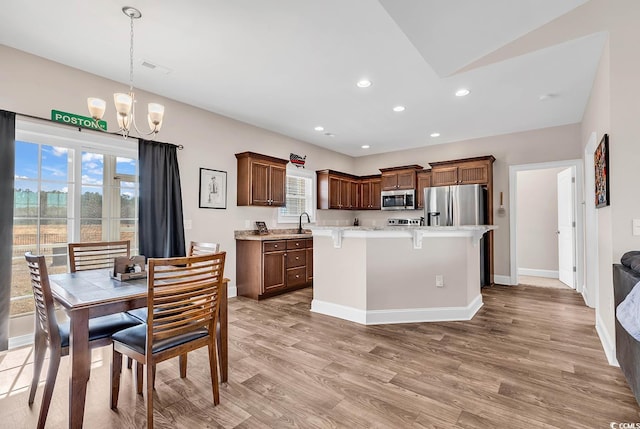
70,186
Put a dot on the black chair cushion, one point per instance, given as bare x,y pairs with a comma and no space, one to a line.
139,313
100,327
136,338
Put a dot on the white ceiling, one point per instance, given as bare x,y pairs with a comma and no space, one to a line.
290,65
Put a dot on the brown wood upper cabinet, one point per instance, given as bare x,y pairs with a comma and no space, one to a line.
399,177
370,188
462,171
261,180
424,181
337,190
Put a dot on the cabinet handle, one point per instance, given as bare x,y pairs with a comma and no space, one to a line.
297,276
297,244
297,258
275,245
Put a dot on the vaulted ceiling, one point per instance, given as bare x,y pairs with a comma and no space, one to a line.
292,65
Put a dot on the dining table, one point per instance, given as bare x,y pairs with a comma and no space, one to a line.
93,293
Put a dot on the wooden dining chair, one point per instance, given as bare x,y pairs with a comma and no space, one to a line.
55,336
202,248
96,255
195,248
183,296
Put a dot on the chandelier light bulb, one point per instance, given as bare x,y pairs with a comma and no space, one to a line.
96,106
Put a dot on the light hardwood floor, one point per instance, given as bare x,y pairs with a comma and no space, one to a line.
530,358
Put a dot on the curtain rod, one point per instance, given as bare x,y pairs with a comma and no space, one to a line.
80,129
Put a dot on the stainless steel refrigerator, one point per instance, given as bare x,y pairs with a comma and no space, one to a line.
456,206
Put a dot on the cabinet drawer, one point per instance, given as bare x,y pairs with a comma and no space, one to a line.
295,244
274,246
309,243
296,258
296,276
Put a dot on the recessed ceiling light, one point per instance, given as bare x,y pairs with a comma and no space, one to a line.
435,134
329,134
365,146
399,109
462,92
364,83
319,128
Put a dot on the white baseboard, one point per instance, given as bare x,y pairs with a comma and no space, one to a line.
232,291
587,297
21,341
339,311
608,344
502,280
538,273
413,315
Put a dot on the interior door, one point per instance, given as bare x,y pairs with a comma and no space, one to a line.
566,229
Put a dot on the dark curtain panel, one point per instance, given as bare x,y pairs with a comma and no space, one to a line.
7,172
160,216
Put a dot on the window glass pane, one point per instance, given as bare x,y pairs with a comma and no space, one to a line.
25,232
127,202
53,200
54,163
91,230
92,168
299,195
21,293
126,229
91,202
53,233
126,165
25,199
26,160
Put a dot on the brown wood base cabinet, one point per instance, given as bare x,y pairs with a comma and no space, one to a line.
271,267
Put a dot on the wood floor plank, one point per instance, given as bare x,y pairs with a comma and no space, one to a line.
529,358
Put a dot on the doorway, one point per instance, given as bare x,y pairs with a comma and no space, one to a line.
538,244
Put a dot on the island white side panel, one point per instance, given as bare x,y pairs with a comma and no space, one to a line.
341,274
400,276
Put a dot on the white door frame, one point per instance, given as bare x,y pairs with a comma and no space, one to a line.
576,164
592,271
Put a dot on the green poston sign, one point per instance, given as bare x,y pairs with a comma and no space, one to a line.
77,120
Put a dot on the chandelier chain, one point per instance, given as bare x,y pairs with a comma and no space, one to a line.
131,57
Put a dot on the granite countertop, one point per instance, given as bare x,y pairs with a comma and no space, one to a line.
274,234
405,228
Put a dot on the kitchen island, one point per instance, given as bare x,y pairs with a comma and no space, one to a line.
374,275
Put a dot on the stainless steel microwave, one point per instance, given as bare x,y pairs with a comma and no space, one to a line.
398,200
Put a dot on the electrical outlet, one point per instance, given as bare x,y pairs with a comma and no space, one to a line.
636,226
188,224
439,280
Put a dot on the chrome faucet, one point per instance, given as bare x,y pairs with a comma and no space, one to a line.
300,221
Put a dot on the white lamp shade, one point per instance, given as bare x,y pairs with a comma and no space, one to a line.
97,107
123,103
156,113
155,126
124,121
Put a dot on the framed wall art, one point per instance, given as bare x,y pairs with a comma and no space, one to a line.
213,189
601,161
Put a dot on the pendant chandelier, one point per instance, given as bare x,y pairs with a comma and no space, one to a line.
125,102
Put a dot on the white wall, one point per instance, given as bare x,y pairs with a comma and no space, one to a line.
34,86
537,220
614,109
